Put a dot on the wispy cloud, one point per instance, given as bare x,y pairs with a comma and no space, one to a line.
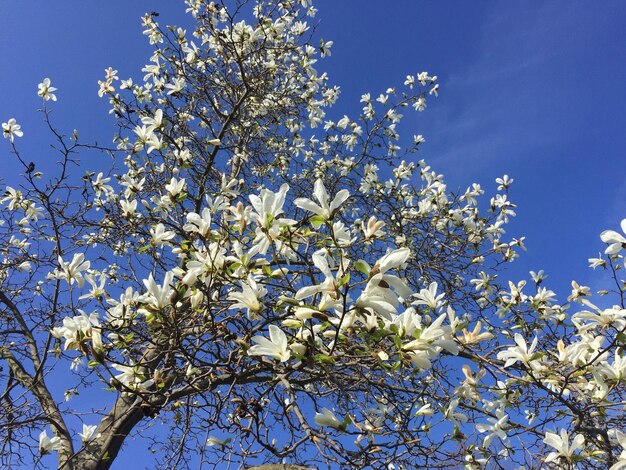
527,89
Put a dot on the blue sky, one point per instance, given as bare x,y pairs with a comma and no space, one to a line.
532,89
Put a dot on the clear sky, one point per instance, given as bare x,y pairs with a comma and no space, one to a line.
536,90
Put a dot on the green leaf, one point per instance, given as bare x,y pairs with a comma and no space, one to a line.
347,421
363,267
324,358
317,221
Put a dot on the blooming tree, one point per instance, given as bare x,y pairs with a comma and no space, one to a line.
281,286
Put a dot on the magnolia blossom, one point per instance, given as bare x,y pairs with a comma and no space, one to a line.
475,336
378,295
494,429
425,410
160,236
100,185
158,296
329,287
153,122
205,263
200,224
429,341
326,208
46,90
177,85
268,208
249,297
564,451
72,271
132,376
599,318
128,207
11,129
80,328
276,347
49,444
373,228
454,416
88,433
519,353
429,298
214,441
175,186
504,182
327,418
616,241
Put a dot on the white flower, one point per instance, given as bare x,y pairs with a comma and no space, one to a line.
393,259
538,277
88,433
562,446
268,207
330,283
71,271
177,85
128,207
504,182
158,296
454,416
132,376
47,444
205,264
378,294
428,340
325,48
249,297
324,210
425,410
615,240
155,122
100,185
214,441
494,428
578,292
475,336
521,353
429,297
595,262
77,329
45,90
160,236
327,418
373,228
199,224
175,186
11,129
25,266
276,347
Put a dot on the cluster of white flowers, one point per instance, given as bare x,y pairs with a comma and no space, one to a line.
251,242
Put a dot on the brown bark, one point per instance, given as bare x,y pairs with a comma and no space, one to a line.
279,466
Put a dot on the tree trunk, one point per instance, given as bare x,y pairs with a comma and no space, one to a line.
279,466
